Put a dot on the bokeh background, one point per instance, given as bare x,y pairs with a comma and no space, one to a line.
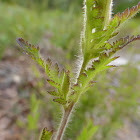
113,104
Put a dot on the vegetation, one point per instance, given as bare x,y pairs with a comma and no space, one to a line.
96,54
108,103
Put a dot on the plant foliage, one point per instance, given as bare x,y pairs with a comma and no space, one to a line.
96,52
46,134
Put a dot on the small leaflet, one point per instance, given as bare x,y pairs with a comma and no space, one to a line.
46,134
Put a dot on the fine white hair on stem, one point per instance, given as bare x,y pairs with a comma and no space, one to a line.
77,68
84,21
111,9
79,62
108,12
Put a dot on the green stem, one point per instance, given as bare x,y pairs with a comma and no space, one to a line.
68,111
64,121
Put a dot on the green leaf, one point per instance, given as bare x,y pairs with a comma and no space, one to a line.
121,43
51,82
99,38
54,93
52,71
60,101
46,134
31,50
56,79
97,15
61,76
118,19
105,58
74,93
48,67
81,79
55,71
66,84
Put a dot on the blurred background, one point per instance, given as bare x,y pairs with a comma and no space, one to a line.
113,104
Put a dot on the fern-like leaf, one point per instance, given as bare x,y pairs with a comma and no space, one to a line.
97,39
51,82
54,93
97,16
46,134
118,19
66,84
61,81
31,50
60,101
102,62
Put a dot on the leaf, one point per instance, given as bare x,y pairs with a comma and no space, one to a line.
66,84
104,58
51,82
74,93
54,93
52,71
48,67
60,101
118,19
46,134
97,15
56,70
114,34
75,87
91,83
121,43
98,41
53,74
31,50
61,76
82,78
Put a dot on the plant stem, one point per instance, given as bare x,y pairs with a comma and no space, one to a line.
64,121
67,112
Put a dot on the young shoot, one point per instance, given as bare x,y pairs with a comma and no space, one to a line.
99,26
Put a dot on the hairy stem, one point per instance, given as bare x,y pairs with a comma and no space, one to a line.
64,121
67,112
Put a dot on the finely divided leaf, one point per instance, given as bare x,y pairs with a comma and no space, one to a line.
54,74
61,81
118,19
81,79
66,84
46,134
105,58
60,101
95,40
97,15
121,43
31,50
48,67
51,82
54,93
